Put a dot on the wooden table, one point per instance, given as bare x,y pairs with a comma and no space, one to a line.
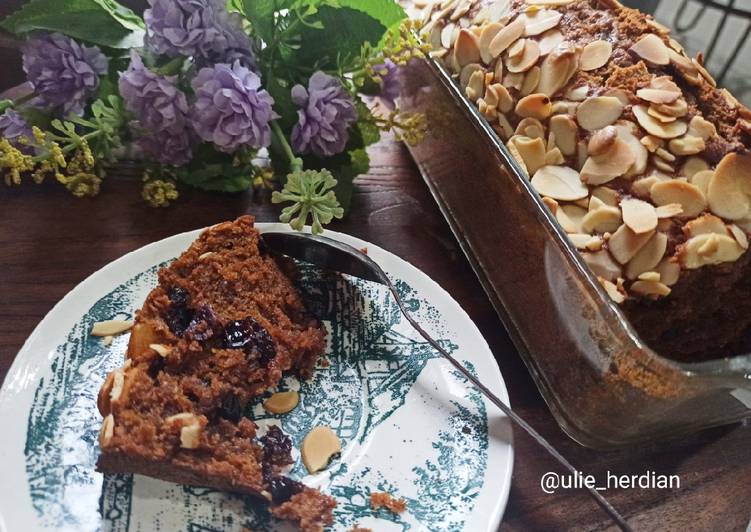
51,241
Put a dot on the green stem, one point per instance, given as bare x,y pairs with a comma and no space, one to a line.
23,99
171,68
295,163
69,147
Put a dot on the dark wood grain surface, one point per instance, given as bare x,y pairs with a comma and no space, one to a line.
50,241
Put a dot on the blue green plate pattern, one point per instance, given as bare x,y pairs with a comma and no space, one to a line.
408,423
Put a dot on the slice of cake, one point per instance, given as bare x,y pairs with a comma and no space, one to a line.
221,327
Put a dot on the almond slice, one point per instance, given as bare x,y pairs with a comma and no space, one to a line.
699,127
532,128
560,183
663,118
493,12
107,431
739,234
650,288
532,152
648,257
282,402
318,447
540,21
688,196
467,72
534,106
597,112
687,145
655,127
604,219
652,49
557,69
526,59
549,41
570,217
506,37
603,265
624,244
609,165
489,32
705,225
111,327
669,210
639,216
729,190
612,290
606,195
595,55
161,349
566,133
658,95
670,272
641,155
531,80
466,48
701,180
703,250
602,141
516,49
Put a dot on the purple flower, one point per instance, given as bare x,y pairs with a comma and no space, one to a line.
327,111
388,76
231,109
201,28
175,149
13,125
62,71
155,100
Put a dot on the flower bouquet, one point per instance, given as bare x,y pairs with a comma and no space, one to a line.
214,94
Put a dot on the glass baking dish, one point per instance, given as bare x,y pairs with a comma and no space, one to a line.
605,387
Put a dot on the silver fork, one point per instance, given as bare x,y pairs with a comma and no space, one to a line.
340,257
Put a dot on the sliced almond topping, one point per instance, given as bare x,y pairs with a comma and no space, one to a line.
318,447
554,157
549,2
605,167
108,429
549,41
503,128
708,249
705,225
467,72
606,195
493,12
701,180
506,37
657,128
447,35
669,210
625,244
570,217
107,341
626,134
602,141
595,55
540,21
190,436
514,151
651,143
475,85
650,288
639,216
662,118
652,49
514,80
489,32
687,145
612,290
699,127
516,49
650,276
525,60
648,256
597,112
556,70
161,349
670,272
688,196
642,187
566,133
603,265
282,402
604,219
658,95
531,127
466,48
729,190
578,94
118,383
533,153
103,398
704,72
560,183
534,106
579,240
111,327
531,80
665,155
663,165
739,234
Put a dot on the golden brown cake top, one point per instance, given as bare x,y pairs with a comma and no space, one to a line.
630,143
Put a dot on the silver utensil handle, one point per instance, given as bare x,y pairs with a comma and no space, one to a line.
599,499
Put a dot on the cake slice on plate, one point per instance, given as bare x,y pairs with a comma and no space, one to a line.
220,328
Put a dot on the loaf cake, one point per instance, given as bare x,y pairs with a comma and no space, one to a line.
220,328
639,155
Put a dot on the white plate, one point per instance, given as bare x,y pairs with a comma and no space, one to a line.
408,423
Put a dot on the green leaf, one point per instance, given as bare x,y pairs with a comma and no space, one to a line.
214,171
338,43
102,22
368,129
260,13
387,12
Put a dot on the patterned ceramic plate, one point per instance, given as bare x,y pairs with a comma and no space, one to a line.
408,423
